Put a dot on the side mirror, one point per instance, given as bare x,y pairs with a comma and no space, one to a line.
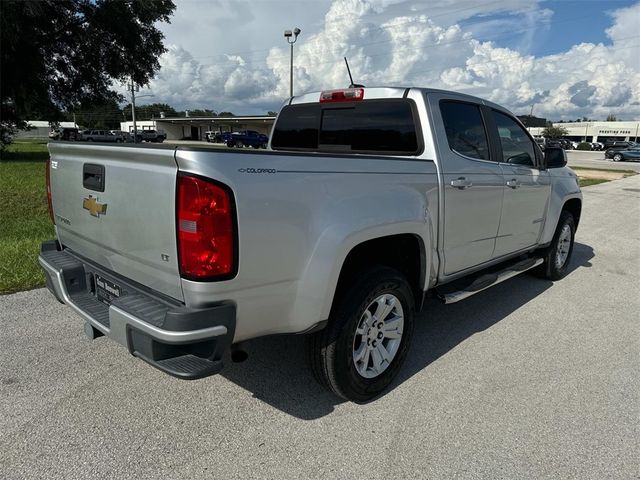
554,157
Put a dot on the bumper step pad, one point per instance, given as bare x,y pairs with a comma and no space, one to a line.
184,342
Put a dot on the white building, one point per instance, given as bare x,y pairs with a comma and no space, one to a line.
194,128
597,131
41,128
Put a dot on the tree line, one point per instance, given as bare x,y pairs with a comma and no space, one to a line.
108,115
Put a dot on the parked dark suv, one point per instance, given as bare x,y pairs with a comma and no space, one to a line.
618,144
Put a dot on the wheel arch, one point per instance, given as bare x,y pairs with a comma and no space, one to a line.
574,206
404,252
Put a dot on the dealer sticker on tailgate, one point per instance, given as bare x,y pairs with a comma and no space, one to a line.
106,291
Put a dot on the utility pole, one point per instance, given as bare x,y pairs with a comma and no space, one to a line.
586,130
133,111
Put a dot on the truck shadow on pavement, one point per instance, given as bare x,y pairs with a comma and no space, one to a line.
276,371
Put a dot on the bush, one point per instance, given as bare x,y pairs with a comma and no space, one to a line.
583,146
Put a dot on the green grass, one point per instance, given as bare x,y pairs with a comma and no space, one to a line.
26,151
615,170
585,182
24,217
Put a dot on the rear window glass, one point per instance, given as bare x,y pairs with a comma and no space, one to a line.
375,126
465,129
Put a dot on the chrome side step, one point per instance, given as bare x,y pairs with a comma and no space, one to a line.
490,279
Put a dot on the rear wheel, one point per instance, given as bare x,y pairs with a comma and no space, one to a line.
558,255
367,339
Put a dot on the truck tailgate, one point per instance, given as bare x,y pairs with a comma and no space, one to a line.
115,205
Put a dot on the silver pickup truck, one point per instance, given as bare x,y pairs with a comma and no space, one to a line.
367,201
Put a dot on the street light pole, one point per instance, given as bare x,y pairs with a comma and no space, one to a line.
133,111
291,73
289,35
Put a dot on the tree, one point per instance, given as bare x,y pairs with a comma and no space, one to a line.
272,114
105,115
554,132
226,114
611,118
197,112
147,112
59,54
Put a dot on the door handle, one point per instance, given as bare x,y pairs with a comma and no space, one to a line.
513,183
461,183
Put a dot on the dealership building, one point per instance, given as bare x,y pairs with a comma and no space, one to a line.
194,128
597,131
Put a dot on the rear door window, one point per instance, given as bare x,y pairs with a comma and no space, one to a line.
466,133
374,126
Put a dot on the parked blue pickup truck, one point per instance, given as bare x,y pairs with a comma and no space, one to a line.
247,138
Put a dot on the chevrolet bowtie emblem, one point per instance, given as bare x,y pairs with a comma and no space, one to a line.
94,207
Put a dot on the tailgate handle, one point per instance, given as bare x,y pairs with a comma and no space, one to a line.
93,177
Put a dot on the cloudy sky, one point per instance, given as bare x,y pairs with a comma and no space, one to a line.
566,58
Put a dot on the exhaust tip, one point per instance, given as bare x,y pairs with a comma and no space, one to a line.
91,332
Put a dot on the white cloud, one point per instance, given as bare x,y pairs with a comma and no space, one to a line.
393,42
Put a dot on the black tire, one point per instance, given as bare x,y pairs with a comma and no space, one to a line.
89,139
230,144
239,144
330,351
255,145
617,157
550,269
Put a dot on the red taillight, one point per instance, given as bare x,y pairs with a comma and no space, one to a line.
205,223
348,95
48,177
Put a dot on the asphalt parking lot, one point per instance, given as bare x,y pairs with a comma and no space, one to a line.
577,158
529,379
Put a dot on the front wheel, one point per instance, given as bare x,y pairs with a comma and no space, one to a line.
367,339
617,157
558,255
